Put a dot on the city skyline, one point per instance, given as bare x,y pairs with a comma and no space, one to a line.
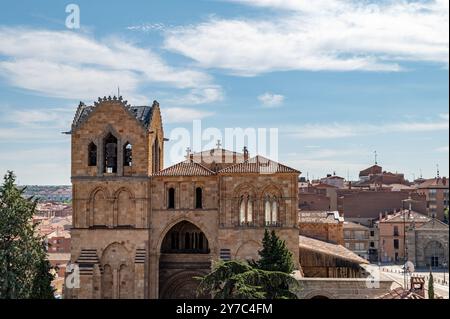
337,91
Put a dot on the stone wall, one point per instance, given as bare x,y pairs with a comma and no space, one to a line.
342,288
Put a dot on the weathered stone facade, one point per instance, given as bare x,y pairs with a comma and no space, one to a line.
427,244
141,231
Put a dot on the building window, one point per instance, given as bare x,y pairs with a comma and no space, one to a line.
127,154
271,211
171,198
396,233
246,210
110,152
372,233
372,244
92,154
198,198
396,244
156,151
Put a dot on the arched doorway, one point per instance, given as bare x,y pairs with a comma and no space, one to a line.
185,254
434,254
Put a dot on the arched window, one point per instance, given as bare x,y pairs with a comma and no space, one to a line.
271,211
198,198
156,155
110,152
92,154
127,154
246,210
171,198
267,210
274,210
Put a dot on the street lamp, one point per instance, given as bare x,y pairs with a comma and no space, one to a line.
405,249
445,267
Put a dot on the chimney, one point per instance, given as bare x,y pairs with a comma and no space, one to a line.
380,217
444,181
245,153
328,175
191,157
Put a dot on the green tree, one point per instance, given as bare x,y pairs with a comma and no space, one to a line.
238,280
22,254
431,287
268,278
42,281
274,255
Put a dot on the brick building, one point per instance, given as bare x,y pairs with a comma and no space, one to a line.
393,231
322,225
436,191
141,231
357,238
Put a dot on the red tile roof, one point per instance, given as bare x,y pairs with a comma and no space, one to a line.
333,250
401,293
186,168
434,183
259,164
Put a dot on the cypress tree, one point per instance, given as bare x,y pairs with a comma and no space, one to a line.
431,287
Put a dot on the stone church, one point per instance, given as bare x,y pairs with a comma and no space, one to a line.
144,231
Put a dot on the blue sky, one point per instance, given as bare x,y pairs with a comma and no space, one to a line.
339,79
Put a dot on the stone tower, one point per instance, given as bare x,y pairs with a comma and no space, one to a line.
115,149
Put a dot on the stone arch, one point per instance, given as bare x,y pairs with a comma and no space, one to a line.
270,189
198,224
107,282
248,250
125,206
109,129
244,188
178,264
185,237
434,253
272,205
117,276
181,285
245,205
99,208
319,294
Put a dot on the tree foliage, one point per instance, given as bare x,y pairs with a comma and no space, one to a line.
268,278
431,287
274,255
22,253
238,280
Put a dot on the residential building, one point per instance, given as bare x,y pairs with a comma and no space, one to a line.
357,238
392,234
436,191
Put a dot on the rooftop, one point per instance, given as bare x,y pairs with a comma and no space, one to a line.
142,113
318,216
354,226
406,215
333,250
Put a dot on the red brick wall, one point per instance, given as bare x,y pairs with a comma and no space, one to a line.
369,204
310,201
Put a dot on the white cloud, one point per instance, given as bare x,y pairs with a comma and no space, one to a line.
335,35
271,100
443,149
182,115
445,116
72,65
147,27
340,130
